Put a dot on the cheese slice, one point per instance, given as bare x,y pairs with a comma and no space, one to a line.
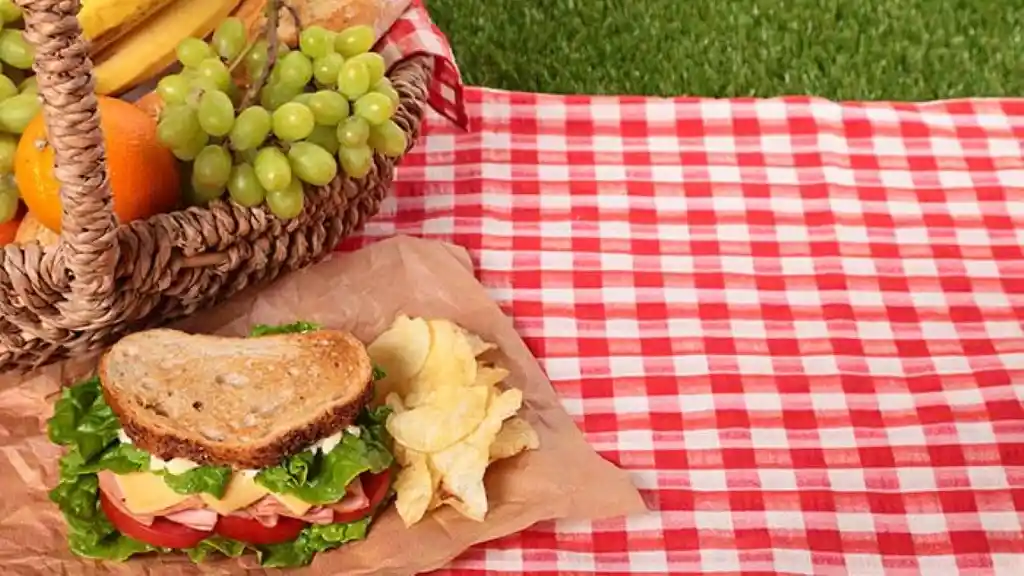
297,506
240,492
146,493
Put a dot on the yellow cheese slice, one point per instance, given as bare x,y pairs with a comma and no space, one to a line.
145,493
240,492
298,507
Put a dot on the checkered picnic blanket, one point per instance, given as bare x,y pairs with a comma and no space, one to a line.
797,323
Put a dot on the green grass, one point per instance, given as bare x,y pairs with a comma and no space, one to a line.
839,49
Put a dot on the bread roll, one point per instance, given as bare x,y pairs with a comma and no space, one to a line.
331,14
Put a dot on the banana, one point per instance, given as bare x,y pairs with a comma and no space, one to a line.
105,21
151,47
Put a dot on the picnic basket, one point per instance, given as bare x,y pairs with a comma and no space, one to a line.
105,279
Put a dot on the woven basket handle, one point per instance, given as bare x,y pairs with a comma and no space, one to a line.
67,89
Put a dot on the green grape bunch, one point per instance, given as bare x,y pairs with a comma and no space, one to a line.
19,101
320,111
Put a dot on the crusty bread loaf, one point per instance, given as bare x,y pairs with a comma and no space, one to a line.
331,14
240,402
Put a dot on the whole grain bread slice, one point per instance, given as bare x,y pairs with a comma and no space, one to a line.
239,402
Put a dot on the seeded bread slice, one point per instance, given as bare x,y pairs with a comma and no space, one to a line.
239,402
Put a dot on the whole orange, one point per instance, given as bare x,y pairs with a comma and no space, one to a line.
143,174
151,103
9,231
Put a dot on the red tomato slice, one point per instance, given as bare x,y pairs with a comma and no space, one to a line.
162,532
376,488
252,532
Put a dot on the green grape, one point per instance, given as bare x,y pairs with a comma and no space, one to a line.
354,41
325,137
316,41
216,113
374,65
303,98
178,125
326,69
9,202
312,164
354,79
296,69
193,147
9,11
7,87
212,167
354,131
173,89
383,86
214,71
8,147
293,121
329,108
17,111
29,85
256,60
388,138
251,128
202,195
229,38
274,96
192,51
375,107
287,203
244,187
15,51
356,161
272,169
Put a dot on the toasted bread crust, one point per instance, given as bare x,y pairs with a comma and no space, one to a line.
168,388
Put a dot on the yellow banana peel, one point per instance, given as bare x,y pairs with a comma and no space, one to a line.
151,47
105,21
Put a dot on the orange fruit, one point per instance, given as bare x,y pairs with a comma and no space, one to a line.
151,104
9,230
143,174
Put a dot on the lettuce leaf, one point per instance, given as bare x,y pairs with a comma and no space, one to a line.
212,480
312,540
293,328
320,478
82,420
214,544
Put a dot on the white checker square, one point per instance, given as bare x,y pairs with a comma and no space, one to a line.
951,364
828,401
782,175
737,264
1011,178
911,235
719,560
712,519
652,561
951,179
838,438
758,401
879,366
888,146
495,259
777,143
716,109
850,480
690,365
605,110
667,175
563,368
776,479
636,440
672,232
792,234
992,521
766,438
626,366
784,520
823,365
938,565
855,522
551,143
617,262
865,564
973,237
622,328
550,109
826,111
916,479
797,265
553,260
701,440
611,144
663,144
610,173
896,178
948,147
981,268
882,115
874,330
748,329
618,294
861,298
976,433
792,561
504,560
725,174
613,229
742,297
987,478
852,234
771,109
904,435
685,328
833,143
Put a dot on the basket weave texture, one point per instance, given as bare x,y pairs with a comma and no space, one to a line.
105,279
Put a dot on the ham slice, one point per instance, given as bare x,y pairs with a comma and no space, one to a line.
203,519
355,498
109,486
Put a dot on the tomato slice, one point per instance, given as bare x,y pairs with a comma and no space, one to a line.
252,532
162,532
376,488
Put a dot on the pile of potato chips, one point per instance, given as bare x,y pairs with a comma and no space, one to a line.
451,415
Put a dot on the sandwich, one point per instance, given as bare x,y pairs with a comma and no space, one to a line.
205,444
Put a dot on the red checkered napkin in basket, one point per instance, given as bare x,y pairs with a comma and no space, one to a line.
414,33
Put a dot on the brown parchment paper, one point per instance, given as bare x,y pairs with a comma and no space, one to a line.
362,292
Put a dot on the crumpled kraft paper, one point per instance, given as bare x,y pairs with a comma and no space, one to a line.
362,292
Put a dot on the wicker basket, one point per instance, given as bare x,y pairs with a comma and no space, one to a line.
105,279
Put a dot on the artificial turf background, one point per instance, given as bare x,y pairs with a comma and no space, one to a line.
839,49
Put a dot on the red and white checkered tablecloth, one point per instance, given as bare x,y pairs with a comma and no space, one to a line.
798,324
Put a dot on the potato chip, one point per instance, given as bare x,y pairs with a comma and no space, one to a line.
462,465
478,344
401,351
516,435
489,376
415,487
450,362
449,415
